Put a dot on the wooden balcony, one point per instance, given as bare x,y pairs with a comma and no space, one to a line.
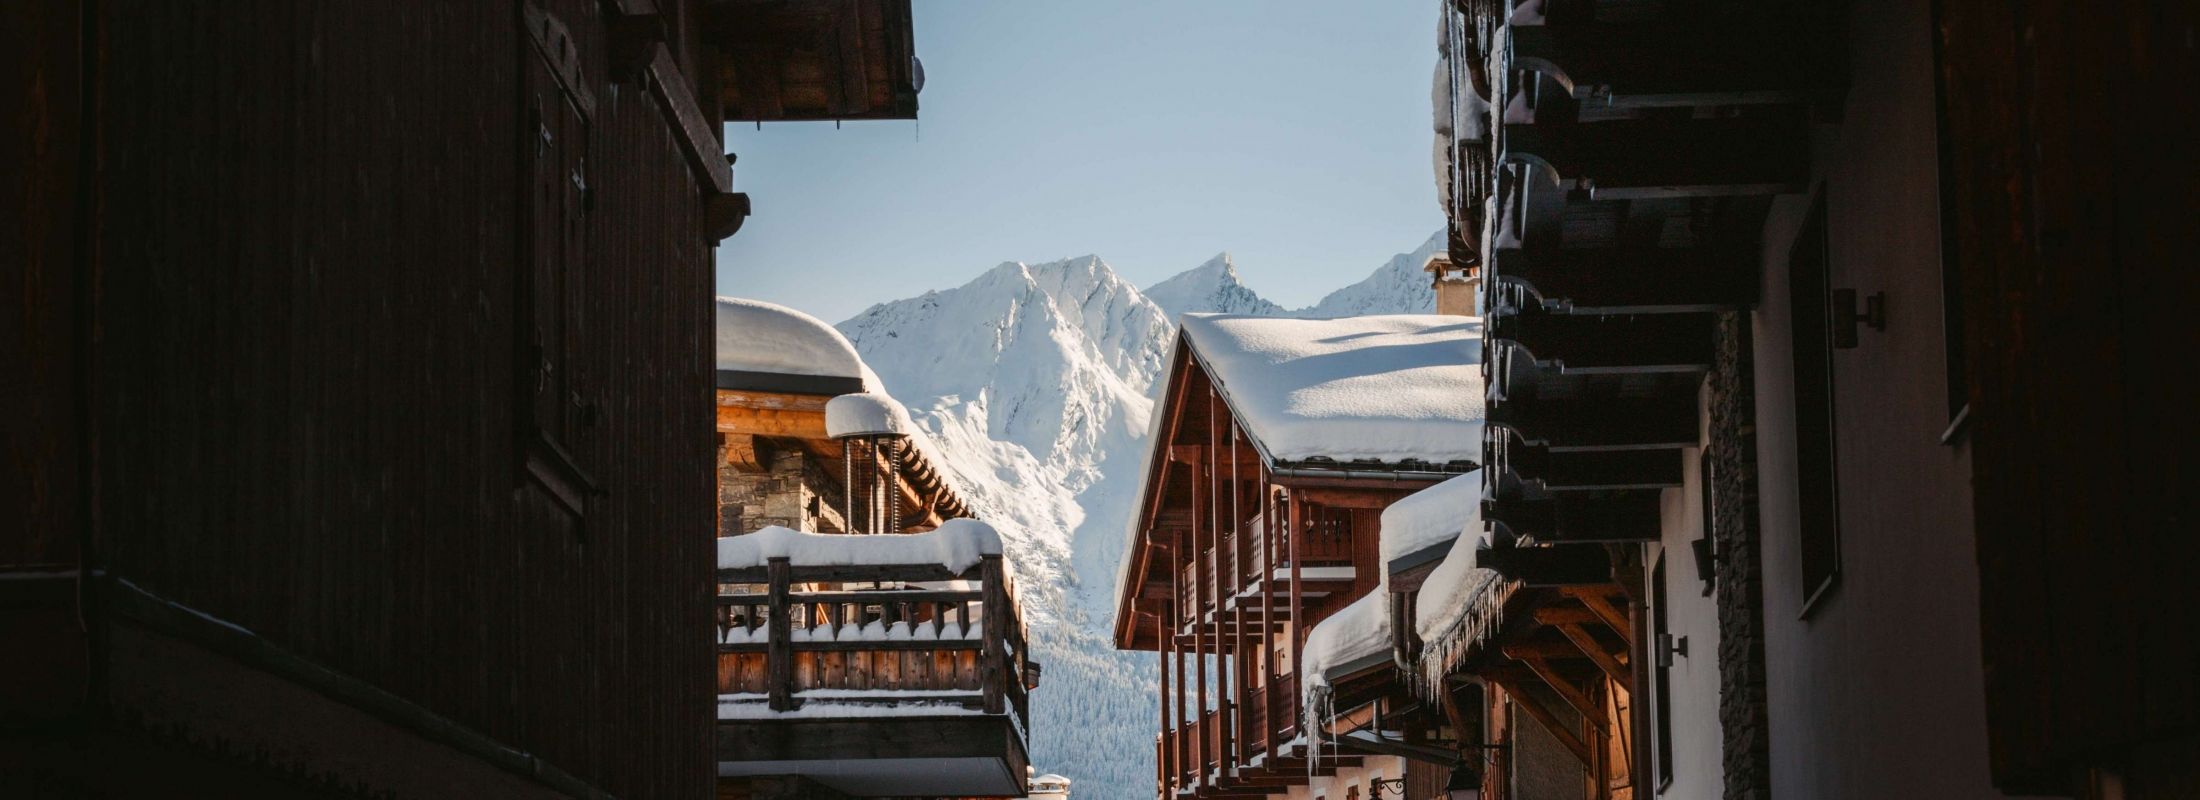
902,689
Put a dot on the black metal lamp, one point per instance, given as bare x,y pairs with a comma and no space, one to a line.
1465,784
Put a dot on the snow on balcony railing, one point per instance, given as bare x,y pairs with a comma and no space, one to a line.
814,625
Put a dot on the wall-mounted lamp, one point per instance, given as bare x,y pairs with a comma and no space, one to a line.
1846,315
1670,646
1465,784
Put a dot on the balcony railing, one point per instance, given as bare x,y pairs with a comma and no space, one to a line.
964,650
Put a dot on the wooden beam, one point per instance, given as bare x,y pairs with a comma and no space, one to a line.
1545,649
1600,605
790,423
1593,470
1666,157
1595,651
1628,280
1567,691
1584,424
1610,344
746,453
1718,60
1556,565
1624,516
1366,499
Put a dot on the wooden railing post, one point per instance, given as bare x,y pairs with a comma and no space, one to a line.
994,615
779,637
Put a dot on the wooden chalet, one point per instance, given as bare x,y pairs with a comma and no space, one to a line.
780,464
1259,519
356,355
1774,292
851,663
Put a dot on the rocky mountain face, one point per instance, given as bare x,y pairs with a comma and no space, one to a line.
1035,381
1213,286
1398,286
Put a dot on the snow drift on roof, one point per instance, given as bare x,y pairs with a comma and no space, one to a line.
1458,606
1430,517
1360,630
1382,388
1448,592
755,336
956,545
866,413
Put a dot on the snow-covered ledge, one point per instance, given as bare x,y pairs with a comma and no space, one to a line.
1420,528
957,546
1355,637
866,414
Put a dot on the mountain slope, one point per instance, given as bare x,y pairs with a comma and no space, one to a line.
1032,378
1034,382
1213,286
1400,285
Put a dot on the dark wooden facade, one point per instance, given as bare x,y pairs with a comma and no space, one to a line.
347,341
1682,190
2071,182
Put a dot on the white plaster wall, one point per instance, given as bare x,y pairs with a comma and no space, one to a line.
1879,693
1697,739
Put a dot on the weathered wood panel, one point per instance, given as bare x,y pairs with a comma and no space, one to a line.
2074,188
40,346
312,223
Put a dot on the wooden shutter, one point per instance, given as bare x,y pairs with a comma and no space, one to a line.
554,402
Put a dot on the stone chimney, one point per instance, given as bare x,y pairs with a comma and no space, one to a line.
1455,285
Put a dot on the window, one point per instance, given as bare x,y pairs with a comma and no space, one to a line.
1817,497
1661,676
1951,267
1707,481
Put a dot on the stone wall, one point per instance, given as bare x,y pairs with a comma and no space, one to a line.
795,490
1740,581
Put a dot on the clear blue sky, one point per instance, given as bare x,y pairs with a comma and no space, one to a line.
1292,133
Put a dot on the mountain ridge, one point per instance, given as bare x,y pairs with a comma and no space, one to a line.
1035,382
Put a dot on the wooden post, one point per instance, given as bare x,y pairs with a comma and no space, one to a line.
779,638
1269,671
1225,666
994,615
1295,516
1243,667
1165,644
1177,745
1199,620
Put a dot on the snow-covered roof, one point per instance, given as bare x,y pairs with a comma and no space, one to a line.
755,336
1457,605
1446,594
1391,388
867,413
956,545
1430,517
1356,632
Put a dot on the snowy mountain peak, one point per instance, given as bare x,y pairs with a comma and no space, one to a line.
1212,286
1032,381
1399,286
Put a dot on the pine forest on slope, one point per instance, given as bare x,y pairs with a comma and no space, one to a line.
1034,382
